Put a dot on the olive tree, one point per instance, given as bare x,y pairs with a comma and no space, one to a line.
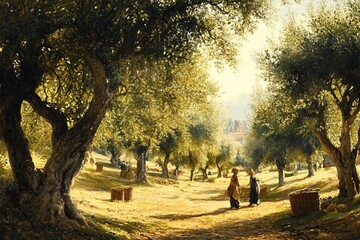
317,66
65,59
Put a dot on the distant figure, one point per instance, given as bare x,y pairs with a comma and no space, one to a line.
254,189
124,167
209,173
233,190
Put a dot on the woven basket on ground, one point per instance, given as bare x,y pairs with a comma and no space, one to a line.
117,193
304,201
127,194
121,194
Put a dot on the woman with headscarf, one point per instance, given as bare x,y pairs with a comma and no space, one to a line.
254,189
233,190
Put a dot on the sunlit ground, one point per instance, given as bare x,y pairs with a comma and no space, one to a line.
185,208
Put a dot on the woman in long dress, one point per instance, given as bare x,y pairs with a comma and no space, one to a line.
254,189
233,190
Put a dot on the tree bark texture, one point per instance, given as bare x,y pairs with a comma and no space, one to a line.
164,166
343,159
192,166
45,193
204,173
141,166
220,170
24,172
281,177
310,166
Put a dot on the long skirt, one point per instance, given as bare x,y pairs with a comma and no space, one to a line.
254,192
234,203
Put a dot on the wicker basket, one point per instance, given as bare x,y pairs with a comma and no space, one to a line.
127,194
304,201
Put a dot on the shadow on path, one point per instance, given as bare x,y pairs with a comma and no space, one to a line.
173,217
260,228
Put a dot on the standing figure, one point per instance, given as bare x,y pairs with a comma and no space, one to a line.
254,189
233,190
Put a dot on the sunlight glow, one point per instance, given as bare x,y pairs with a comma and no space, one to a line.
236,85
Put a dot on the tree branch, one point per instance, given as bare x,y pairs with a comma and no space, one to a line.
336,99
56,118
100,81
328,146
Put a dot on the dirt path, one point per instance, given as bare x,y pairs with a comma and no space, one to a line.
200,210
183,209
230,224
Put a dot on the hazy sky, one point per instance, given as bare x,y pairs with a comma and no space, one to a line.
237,85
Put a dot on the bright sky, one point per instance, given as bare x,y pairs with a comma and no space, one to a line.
242,80
237,86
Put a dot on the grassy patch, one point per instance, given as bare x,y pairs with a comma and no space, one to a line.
197,209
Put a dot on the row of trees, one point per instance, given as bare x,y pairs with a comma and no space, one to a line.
313,75
280,136
171,116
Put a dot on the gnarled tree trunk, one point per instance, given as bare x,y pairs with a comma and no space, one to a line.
142,154
164,166
46,194
192,166
344,158
280,165
220,171
204,173
281,177
310,166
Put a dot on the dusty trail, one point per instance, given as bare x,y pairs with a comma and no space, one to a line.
188,210
212,218
200,210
